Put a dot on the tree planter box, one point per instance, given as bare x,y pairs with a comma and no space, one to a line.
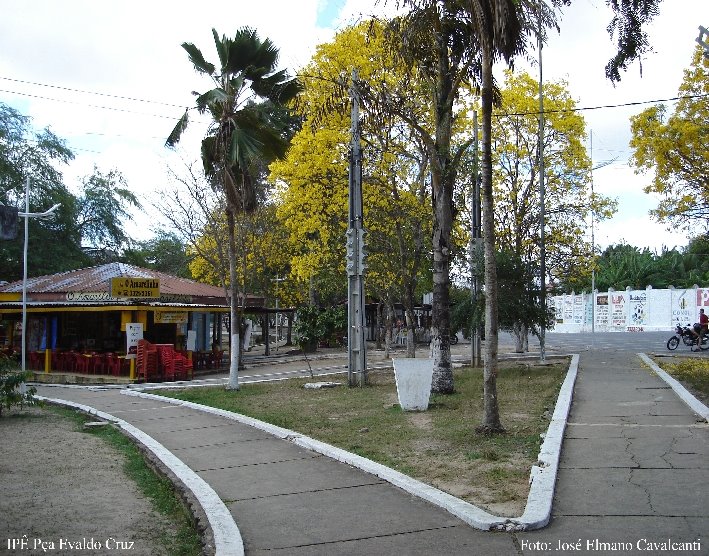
413,382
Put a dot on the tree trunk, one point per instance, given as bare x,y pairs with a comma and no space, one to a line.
517,333
410,322
378,335
289,330
440,307
387,334
234,318
491,415
266,335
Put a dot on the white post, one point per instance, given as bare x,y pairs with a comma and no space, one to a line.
24,276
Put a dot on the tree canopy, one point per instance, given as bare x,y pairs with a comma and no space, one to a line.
86,229
676,148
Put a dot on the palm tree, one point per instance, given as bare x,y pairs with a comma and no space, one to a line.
249,128
497,30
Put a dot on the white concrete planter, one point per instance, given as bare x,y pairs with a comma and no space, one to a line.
413,382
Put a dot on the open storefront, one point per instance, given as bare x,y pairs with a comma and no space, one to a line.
78,319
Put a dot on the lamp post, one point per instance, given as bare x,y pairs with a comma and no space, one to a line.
702,40
27,215
542,246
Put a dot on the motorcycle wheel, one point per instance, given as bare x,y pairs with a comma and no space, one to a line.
672,343
704,343
454,339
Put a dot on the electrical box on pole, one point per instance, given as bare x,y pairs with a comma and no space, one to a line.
356,338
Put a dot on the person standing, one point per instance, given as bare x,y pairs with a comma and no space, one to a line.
700,328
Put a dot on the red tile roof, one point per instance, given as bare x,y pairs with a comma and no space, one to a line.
98,278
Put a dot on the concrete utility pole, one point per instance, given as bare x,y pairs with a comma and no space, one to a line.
356,340
475,347
542,245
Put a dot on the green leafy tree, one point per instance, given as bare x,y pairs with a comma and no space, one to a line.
165,252
676,150
243,134
102,209
86,229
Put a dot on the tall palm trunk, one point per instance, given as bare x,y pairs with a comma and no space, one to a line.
234,320
491,416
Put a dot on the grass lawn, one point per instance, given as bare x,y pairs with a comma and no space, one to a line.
439,446
692,372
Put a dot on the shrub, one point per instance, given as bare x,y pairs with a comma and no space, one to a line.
11,386
314,325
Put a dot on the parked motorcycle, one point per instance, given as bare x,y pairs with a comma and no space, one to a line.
686,335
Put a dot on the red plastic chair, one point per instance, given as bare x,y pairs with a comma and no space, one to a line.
81,363
36,361
113,364
147,361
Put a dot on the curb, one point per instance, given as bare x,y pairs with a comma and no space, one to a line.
226,534
537,512
694,404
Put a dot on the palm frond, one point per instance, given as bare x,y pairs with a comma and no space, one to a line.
244,147
177,131
197,59
210,98
222,48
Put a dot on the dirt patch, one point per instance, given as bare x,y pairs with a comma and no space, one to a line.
63,486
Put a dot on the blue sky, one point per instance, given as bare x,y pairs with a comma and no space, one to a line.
132,49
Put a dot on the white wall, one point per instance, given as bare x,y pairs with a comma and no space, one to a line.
628,310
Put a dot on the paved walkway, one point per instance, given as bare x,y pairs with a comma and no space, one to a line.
634,470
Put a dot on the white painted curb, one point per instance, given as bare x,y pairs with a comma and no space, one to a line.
537,512
542,477
694,404
227,537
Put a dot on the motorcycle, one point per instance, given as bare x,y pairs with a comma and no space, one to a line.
686,335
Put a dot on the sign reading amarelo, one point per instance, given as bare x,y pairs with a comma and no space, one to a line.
136,288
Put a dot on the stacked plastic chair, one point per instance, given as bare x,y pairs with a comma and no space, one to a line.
147,362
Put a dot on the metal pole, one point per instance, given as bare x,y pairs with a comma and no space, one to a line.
593,256
27,215
542,246
24,276
475,347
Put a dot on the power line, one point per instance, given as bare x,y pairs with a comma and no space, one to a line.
603,106
90,92
88,105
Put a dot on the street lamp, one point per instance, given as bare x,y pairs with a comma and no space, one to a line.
47,214
701,39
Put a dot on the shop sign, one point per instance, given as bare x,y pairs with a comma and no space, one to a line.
170,317
89,296
175,298
135,288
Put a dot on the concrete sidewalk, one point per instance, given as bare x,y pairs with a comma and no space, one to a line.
634,466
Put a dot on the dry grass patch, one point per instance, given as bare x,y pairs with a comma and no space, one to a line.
439,447
692,372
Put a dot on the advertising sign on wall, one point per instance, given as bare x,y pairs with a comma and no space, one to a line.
618,310
683,306
637,310
602,310
134,332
